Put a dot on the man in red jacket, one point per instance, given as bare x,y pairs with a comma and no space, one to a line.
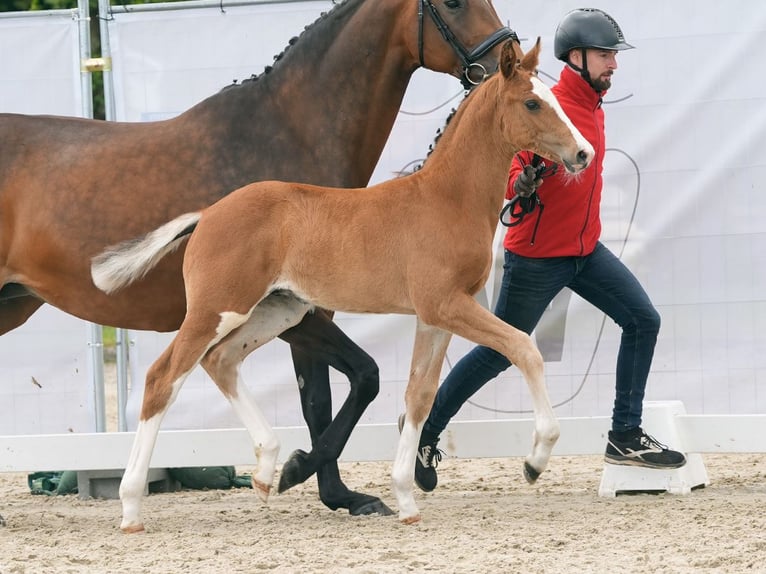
545,253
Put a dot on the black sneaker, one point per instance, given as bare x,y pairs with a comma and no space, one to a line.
641,449
427,459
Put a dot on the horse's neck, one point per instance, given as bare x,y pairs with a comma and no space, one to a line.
471,159
330,101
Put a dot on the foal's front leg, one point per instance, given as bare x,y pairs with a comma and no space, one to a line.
427,359
463,316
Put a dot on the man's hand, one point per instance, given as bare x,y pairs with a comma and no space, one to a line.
527,182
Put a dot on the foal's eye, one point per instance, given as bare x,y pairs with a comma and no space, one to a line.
532,105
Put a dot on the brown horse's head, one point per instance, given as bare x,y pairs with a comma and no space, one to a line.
460,37
532,115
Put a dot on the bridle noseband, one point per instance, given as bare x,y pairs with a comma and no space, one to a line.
469,59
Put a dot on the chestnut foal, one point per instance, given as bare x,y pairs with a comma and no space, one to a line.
270,252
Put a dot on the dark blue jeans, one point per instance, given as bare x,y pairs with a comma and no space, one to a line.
528,286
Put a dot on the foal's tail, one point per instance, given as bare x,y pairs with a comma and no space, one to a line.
122,264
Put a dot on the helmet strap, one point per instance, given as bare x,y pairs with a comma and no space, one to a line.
584,70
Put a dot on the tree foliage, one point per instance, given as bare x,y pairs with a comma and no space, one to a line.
24,5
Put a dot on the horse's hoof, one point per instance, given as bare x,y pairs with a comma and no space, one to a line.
132,529
530,473
369,506
411,520
261,489
294,471
2,521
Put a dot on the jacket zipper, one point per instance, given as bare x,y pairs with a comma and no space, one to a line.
595,177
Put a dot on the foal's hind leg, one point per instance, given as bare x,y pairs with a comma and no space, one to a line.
163,381
427,359
272,316
315,343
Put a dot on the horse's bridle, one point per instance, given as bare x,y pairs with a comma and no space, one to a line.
469,59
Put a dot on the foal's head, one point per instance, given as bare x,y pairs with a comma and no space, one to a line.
532,118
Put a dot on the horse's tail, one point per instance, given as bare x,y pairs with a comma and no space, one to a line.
122,264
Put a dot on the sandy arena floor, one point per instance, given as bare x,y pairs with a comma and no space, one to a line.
483,517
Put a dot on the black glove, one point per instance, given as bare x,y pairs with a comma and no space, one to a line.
527,182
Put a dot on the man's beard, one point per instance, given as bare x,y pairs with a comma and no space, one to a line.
602,83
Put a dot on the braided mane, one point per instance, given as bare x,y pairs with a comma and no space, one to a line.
335,14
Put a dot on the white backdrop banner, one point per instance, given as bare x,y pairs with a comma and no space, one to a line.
40,61
686,122
45,367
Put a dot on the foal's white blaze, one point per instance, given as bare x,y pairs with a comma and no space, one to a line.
544,93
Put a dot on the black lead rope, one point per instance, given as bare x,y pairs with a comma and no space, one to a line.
518,207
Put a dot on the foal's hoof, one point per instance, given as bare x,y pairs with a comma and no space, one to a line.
366,505
261,489
295,470
530,473
132,528
410,519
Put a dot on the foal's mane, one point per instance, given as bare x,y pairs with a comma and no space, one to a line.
438,136
453,112
326,34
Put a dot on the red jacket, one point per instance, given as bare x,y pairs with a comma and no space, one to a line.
571,222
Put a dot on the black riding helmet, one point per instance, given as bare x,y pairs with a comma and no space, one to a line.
587,28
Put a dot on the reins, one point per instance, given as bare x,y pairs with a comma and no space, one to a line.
469,59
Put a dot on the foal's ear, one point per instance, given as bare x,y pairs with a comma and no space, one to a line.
508,59
530,60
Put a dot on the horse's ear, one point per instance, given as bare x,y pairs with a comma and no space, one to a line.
508,60
530,60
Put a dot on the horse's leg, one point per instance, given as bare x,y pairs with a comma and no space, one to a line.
427,359
315,343
223,368
13,313
163,381
464,317
272,316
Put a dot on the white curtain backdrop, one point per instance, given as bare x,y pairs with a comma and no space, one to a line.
683,203
45,369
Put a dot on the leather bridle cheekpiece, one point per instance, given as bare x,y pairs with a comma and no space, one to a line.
469,59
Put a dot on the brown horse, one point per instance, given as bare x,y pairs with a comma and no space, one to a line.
261,258
322,114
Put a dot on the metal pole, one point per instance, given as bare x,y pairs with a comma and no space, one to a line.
104,15
96,343
122,336
122,378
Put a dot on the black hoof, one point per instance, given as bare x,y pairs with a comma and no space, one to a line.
530,473
366,505
2,521
295,470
